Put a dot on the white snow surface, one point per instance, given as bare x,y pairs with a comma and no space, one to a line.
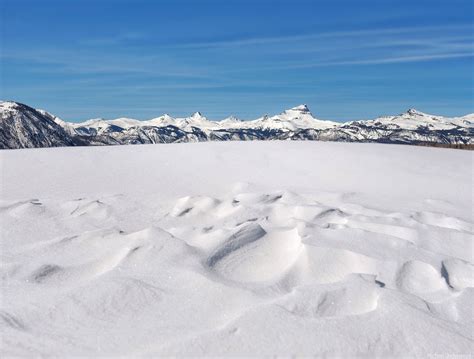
237,248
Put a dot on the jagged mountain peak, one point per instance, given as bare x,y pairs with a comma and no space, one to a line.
300,108
23,126
415,112
197,115
231,118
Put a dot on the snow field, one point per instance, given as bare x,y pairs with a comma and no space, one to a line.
237,249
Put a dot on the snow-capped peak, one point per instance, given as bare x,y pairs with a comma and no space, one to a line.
301,117
197,115
164,117
9,105
18,119
163,120
413,119
231,118
415,112
301,108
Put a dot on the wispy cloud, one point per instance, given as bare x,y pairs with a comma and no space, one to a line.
115,39
273,69
394,59
221,60
399,59
74,61
325,35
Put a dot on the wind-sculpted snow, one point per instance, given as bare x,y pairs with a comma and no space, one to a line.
22,126
237,249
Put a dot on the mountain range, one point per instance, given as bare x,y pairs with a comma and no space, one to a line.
22,126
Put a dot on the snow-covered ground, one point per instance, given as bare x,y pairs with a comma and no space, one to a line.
237,248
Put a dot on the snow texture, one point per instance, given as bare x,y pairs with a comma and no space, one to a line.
237,248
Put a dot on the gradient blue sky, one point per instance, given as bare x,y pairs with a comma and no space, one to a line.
345,59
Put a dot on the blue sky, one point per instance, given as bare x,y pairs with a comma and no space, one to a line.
345,59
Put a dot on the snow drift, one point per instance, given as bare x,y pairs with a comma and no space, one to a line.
290,248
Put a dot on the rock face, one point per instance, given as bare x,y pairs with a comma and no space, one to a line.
24,127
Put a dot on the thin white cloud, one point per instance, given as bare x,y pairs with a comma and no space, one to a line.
324,35
399,59
116,39
205,60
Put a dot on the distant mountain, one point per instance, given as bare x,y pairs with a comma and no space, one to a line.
22,127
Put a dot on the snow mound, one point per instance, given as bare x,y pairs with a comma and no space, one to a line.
237,249
418,278
252,255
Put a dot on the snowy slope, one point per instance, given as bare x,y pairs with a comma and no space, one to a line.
296,118
413,119
300,117
237,249
22,126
